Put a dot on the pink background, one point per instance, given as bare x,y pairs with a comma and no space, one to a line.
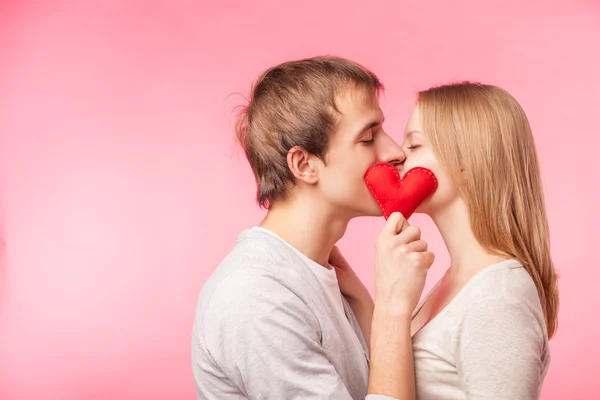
123,187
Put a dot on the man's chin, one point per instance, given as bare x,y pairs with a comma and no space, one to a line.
367,209
366,213
373,212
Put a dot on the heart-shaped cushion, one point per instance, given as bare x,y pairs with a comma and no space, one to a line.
394,194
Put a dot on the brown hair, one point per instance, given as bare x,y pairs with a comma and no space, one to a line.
293,104
483,130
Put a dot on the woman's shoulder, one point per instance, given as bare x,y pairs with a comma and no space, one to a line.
507,281
502,290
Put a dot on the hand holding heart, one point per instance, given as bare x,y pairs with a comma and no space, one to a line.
401,265
401,257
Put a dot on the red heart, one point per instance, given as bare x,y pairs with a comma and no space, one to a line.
395,194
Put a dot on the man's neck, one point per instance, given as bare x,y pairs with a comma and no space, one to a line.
309,228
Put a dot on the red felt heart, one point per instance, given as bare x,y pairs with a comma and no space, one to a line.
395,194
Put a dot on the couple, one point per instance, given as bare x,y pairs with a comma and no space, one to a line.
285,317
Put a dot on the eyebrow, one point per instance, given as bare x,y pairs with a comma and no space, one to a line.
368,126
409,133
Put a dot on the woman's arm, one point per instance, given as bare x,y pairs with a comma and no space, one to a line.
356,293
363,307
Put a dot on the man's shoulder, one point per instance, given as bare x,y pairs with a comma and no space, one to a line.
255,249
255,283
252,260
245,292
247,284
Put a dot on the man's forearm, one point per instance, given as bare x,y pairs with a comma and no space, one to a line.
392,369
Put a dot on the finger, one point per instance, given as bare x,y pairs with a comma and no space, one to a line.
418,246
428,258
395,224
409,235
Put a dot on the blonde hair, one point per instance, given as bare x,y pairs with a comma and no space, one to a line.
482,137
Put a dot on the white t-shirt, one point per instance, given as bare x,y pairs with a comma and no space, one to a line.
328,280
490,342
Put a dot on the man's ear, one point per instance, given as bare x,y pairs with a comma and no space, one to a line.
302,165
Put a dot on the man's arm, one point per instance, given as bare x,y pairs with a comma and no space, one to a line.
392,369
401,265
266,341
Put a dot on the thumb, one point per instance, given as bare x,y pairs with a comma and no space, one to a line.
395,224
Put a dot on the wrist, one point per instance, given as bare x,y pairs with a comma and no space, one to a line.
385,310
391,368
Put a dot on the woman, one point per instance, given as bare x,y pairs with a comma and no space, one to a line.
483,330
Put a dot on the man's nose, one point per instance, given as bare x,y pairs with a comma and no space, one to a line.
391,152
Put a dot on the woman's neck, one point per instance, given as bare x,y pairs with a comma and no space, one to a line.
467,255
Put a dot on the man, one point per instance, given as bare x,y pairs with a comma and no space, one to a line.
271,322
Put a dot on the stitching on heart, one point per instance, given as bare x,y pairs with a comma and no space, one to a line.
430,173
371,187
